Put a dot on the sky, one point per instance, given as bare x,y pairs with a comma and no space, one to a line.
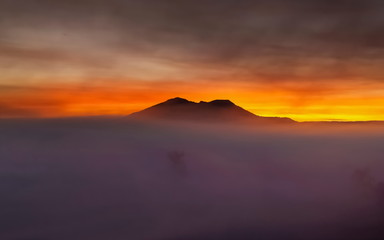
308,60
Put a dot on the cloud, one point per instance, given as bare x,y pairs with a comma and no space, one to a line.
314,46
37,55
267,39
15,111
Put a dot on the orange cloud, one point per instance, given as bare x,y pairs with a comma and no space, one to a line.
296,100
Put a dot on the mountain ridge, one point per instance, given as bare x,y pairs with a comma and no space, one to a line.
218,110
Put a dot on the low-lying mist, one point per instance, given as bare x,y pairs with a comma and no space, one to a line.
111,179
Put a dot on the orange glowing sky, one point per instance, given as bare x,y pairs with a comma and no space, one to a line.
307,60
302,103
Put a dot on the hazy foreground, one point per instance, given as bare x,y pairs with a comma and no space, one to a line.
113,180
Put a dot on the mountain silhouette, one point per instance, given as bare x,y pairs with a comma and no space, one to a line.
218,111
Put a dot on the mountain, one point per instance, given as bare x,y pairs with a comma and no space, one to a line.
218,111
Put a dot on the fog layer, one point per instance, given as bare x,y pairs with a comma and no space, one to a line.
119,180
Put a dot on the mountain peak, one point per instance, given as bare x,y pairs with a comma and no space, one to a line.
217,102
177,100
220,110
222,103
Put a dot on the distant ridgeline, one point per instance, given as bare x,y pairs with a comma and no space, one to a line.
219,111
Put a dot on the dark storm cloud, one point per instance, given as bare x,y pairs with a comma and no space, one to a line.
272,38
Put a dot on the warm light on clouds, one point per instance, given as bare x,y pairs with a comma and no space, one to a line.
311,103
304,59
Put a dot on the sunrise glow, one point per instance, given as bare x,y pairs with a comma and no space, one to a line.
93,61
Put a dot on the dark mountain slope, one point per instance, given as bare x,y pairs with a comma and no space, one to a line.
219,111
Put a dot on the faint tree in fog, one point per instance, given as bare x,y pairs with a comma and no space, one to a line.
364,181
370,188
177,160
380,195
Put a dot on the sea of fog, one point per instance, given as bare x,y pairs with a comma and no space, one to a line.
108,179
